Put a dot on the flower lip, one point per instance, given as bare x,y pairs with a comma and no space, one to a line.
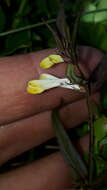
33,90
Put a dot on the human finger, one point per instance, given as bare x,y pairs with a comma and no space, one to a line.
22,135
16,71
51,173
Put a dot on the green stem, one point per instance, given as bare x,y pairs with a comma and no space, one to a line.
95,11
26,28
91,135
42,24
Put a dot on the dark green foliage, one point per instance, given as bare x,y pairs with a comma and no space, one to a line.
20,13
2,19
82,130
94,34
104,97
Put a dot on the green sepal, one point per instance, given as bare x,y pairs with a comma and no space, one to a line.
70,73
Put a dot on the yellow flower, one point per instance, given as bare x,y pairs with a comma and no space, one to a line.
47,81
50,61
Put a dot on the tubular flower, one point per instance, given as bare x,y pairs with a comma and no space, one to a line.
50,61
47,81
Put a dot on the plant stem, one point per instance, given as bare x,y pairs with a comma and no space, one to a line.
91,135
42,24
95,11
26,27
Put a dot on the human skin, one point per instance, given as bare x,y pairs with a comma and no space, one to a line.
26,119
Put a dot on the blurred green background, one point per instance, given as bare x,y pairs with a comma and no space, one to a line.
20,13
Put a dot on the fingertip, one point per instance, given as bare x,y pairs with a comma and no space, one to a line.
89,57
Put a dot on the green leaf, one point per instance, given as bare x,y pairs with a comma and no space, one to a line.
89,17
102,15
83,130
103,148
2,19
69,152
100,130
62,26
100,181
23,8
100,144
94,34
101,165
79,5
16,41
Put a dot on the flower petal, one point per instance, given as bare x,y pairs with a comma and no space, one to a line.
34,87
55,58
46,63
38,86
33,90
50,61
45,76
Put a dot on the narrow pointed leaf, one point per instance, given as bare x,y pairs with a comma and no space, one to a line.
57,37
61,33
69,152
74,38
60,22
62,26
